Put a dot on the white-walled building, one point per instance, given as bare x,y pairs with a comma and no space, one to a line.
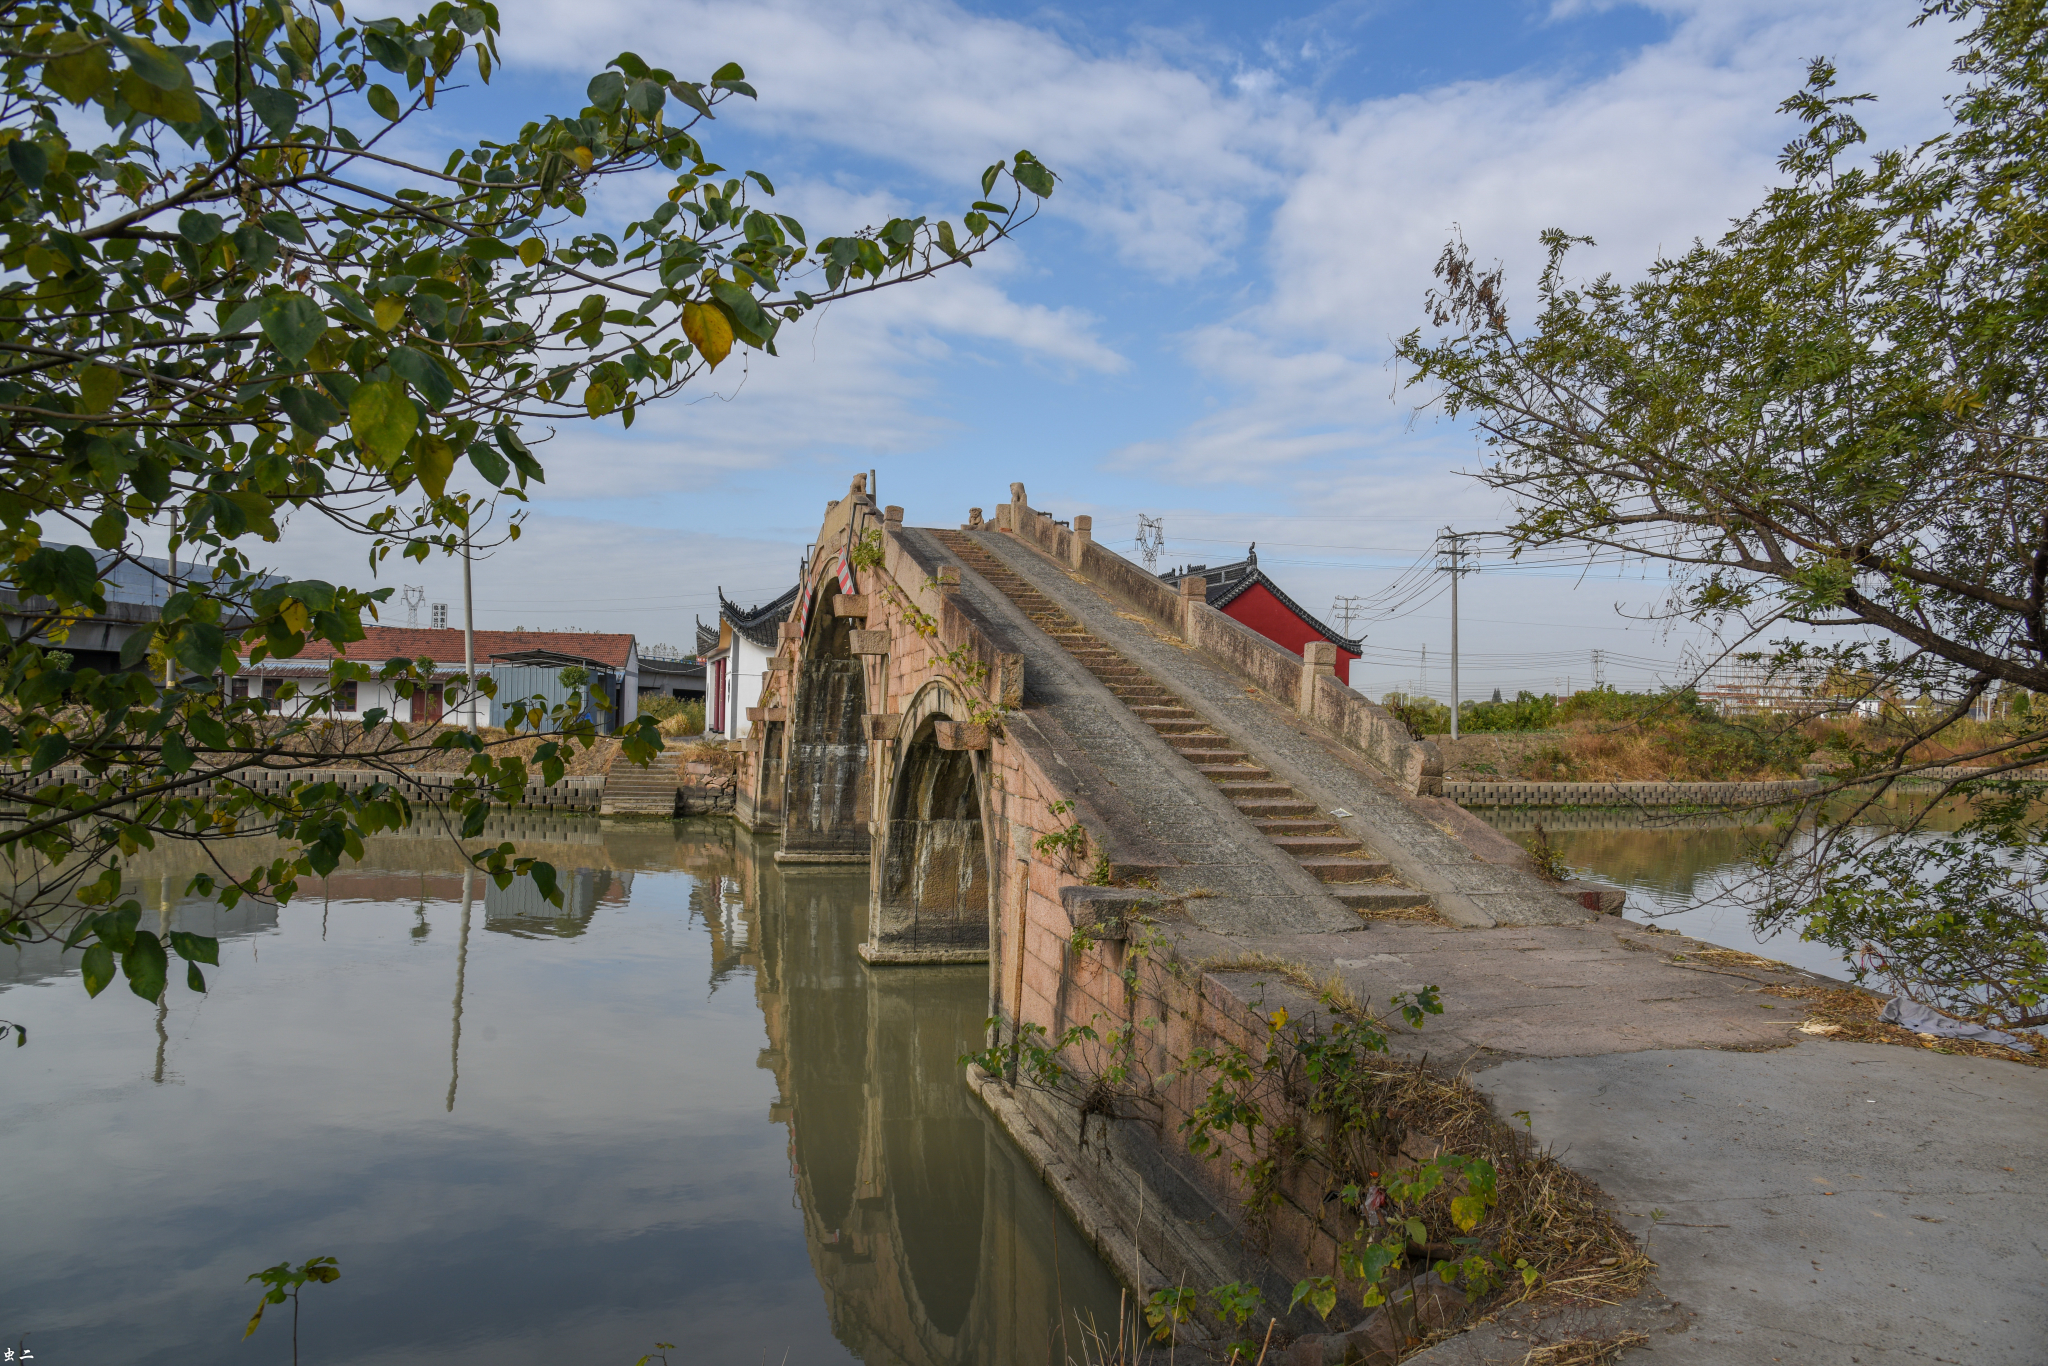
496,653
736,660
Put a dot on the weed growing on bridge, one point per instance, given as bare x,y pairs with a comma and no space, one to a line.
960,665
1441,1196
1068,843
867,551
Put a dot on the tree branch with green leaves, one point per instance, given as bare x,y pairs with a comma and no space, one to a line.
1830,422
246,301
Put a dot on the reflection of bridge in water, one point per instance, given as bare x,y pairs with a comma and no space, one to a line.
934,1242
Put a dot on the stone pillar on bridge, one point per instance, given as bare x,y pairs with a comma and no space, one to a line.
1193,589
1318,659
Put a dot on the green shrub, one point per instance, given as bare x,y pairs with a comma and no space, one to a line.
1422,715
660,706
1527,712
687,719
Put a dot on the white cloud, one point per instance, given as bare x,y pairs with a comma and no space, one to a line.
1159,161
1671,145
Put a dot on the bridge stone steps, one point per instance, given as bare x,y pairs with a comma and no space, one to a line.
630,790
1260,808
1245,772
1318,844
1275,808
1383,898
1338,869
1233,788
1287,828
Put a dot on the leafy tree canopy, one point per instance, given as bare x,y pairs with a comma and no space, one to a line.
229,296
1832,418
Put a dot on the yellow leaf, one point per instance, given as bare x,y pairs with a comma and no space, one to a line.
708,331
294,613
387,311
582,157
99,386
531,251
433,460
1279,1019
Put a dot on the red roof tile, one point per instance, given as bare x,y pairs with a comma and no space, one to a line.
444,647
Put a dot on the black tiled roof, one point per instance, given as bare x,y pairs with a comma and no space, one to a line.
758,624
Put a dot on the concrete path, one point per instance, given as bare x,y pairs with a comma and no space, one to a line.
1829,1203
1825,1203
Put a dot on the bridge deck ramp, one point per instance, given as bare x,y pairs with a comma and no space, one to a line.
1430,846
1241,882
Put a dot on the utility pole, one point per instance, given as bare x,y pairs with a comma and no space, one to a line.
1596,670
1454,550
1347,608
468,648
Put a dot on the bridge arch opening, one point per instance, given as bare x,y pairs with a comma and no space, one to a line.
826,791
932,883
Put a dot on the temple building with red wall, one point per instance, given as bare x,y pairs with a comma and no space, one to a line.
1244,593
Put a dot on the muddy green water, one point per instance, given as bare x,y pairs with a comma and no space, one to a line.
680,1110
1688,873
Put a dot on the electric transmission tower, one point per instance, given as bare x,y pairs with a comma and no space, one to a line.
1151,540
1348,608
412,596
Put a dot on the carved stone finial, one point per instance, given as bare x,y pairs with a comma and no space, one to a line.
1017,493
974,519
859,484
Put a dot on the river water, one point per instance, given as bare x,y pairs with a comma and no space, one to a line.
1688,872
679,1110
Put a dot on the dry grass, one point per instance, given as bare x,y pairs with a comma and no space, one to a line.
1585,1351
723,757
1731,958
1849,1015
1548,1214
1420,915
1599,752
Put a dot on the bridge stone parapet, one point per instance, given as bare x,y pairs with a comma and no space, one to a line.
1351,718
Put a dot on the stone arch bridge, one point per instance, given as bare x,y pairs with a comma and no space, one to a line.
1004,716
1146,819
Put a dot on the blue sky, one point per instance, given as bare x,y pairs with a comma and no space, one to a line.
1199,325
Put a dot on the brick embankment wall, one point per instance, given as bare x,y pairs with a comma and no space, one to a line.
1627,794
572,793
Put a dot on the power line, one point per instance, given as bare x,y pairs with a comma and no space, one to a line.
1346,608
